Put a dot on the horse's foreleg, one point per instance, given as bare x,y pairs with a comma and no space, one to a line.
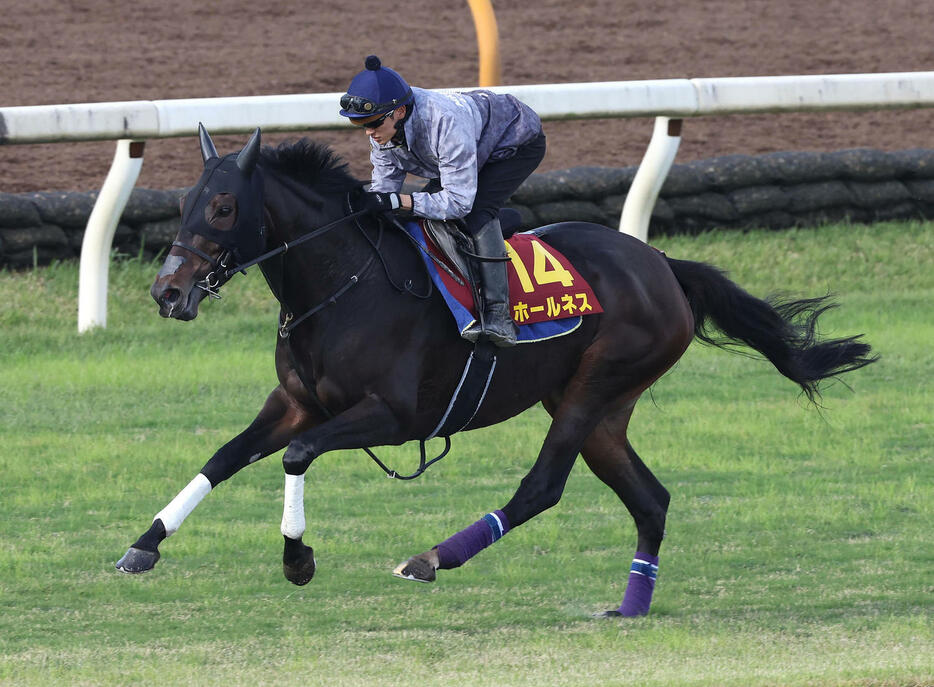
369,423
298,560
279,420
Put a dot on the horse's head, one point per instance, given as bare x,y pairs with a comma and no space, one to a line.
221,227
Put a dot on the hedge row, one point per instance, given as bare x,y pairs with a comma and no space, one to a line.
775,190
45,226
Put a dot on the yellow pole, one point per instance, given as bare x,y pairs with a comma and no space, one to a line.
487,41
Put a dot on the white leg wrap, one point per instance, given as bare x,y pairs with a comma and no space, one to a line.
293,510
182,505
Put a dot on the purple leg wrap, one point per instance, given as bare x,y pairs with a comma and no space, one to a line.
459,548
641,584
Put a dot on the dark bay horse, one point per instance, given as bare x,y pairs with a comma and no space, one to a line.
368,355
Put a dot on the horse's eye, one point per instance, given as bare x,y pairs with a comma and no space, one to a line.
224,211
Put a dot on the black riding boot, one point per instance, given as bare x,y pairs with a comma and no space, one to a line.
494,288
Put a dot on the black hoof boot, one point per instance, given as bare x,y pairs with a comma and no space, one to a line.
136,561
298,562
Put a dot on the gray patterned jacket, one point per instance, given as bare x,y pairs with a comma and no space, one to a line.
450,136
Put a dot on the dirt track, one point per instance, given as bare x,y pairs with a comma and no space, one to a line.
56,51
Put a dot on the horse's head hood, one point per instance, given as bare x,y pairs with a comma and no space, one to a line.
236,174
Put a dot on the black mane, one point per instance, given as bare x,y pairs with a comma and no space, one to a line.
310,163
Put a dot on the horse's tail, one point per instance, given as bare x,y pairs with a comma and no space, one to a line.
784,331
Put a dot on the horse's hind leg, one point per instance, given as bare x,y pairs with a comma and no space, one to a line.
611,457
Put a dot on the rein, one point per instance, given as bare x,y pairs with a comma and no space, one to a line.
212,281
288,322
286,245
423,463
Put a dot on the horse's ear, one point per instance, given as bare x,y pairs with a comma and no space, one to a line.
208,150
247,158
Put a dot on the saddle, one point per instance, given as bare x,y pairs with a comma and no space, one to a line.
456,246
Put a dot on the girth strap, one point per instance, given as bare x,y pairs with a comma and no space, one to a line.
470,391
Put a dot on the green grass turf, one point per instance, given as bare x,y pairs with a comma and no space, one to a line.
800,545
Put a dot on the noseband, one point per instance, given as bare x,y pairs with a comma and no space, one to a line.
217,276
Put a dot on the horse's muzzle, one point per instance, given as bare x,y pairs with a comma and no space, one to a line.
175,303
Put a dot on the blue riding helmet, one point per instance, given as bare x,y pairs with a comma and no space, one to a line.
375,90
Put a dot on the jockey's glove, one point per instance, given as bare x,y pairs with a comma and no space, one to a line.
380,202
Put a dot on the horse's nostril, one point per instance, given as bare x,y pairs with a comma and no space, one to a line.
169,297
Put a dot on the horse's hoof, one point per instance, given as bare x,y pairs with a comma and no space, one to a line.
615,613
137,561
301,574
298,562
416,569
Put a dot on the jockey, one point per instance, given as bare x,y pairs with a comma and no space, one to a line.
476,148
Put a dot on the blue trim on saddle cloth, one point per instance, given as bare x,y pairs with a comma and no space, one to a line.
528,333
496,527
641,567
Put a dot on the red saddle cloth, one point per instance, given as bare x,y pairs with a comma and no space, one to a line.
543,284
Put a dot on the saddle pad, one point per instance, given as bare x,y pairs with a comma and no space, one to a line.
547,296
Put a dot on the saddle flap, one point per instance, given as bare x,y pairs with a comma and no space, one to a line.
450,240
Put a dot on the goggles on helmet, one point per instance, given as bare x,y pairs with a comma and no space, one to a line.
358,104
361,106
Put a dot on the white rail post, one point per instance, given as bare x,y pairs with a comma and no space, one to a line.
98,235
637,210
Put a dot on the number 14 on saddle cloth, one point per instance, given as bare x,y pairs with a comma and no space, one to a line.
547,296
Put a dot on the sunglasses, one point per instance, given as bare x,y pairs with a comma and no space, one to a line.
376,123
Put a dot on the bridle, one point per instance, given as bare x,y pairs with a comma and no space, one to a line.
214,279
221,273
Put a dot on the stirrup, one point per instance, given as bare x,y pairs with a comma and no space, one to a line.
502,336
